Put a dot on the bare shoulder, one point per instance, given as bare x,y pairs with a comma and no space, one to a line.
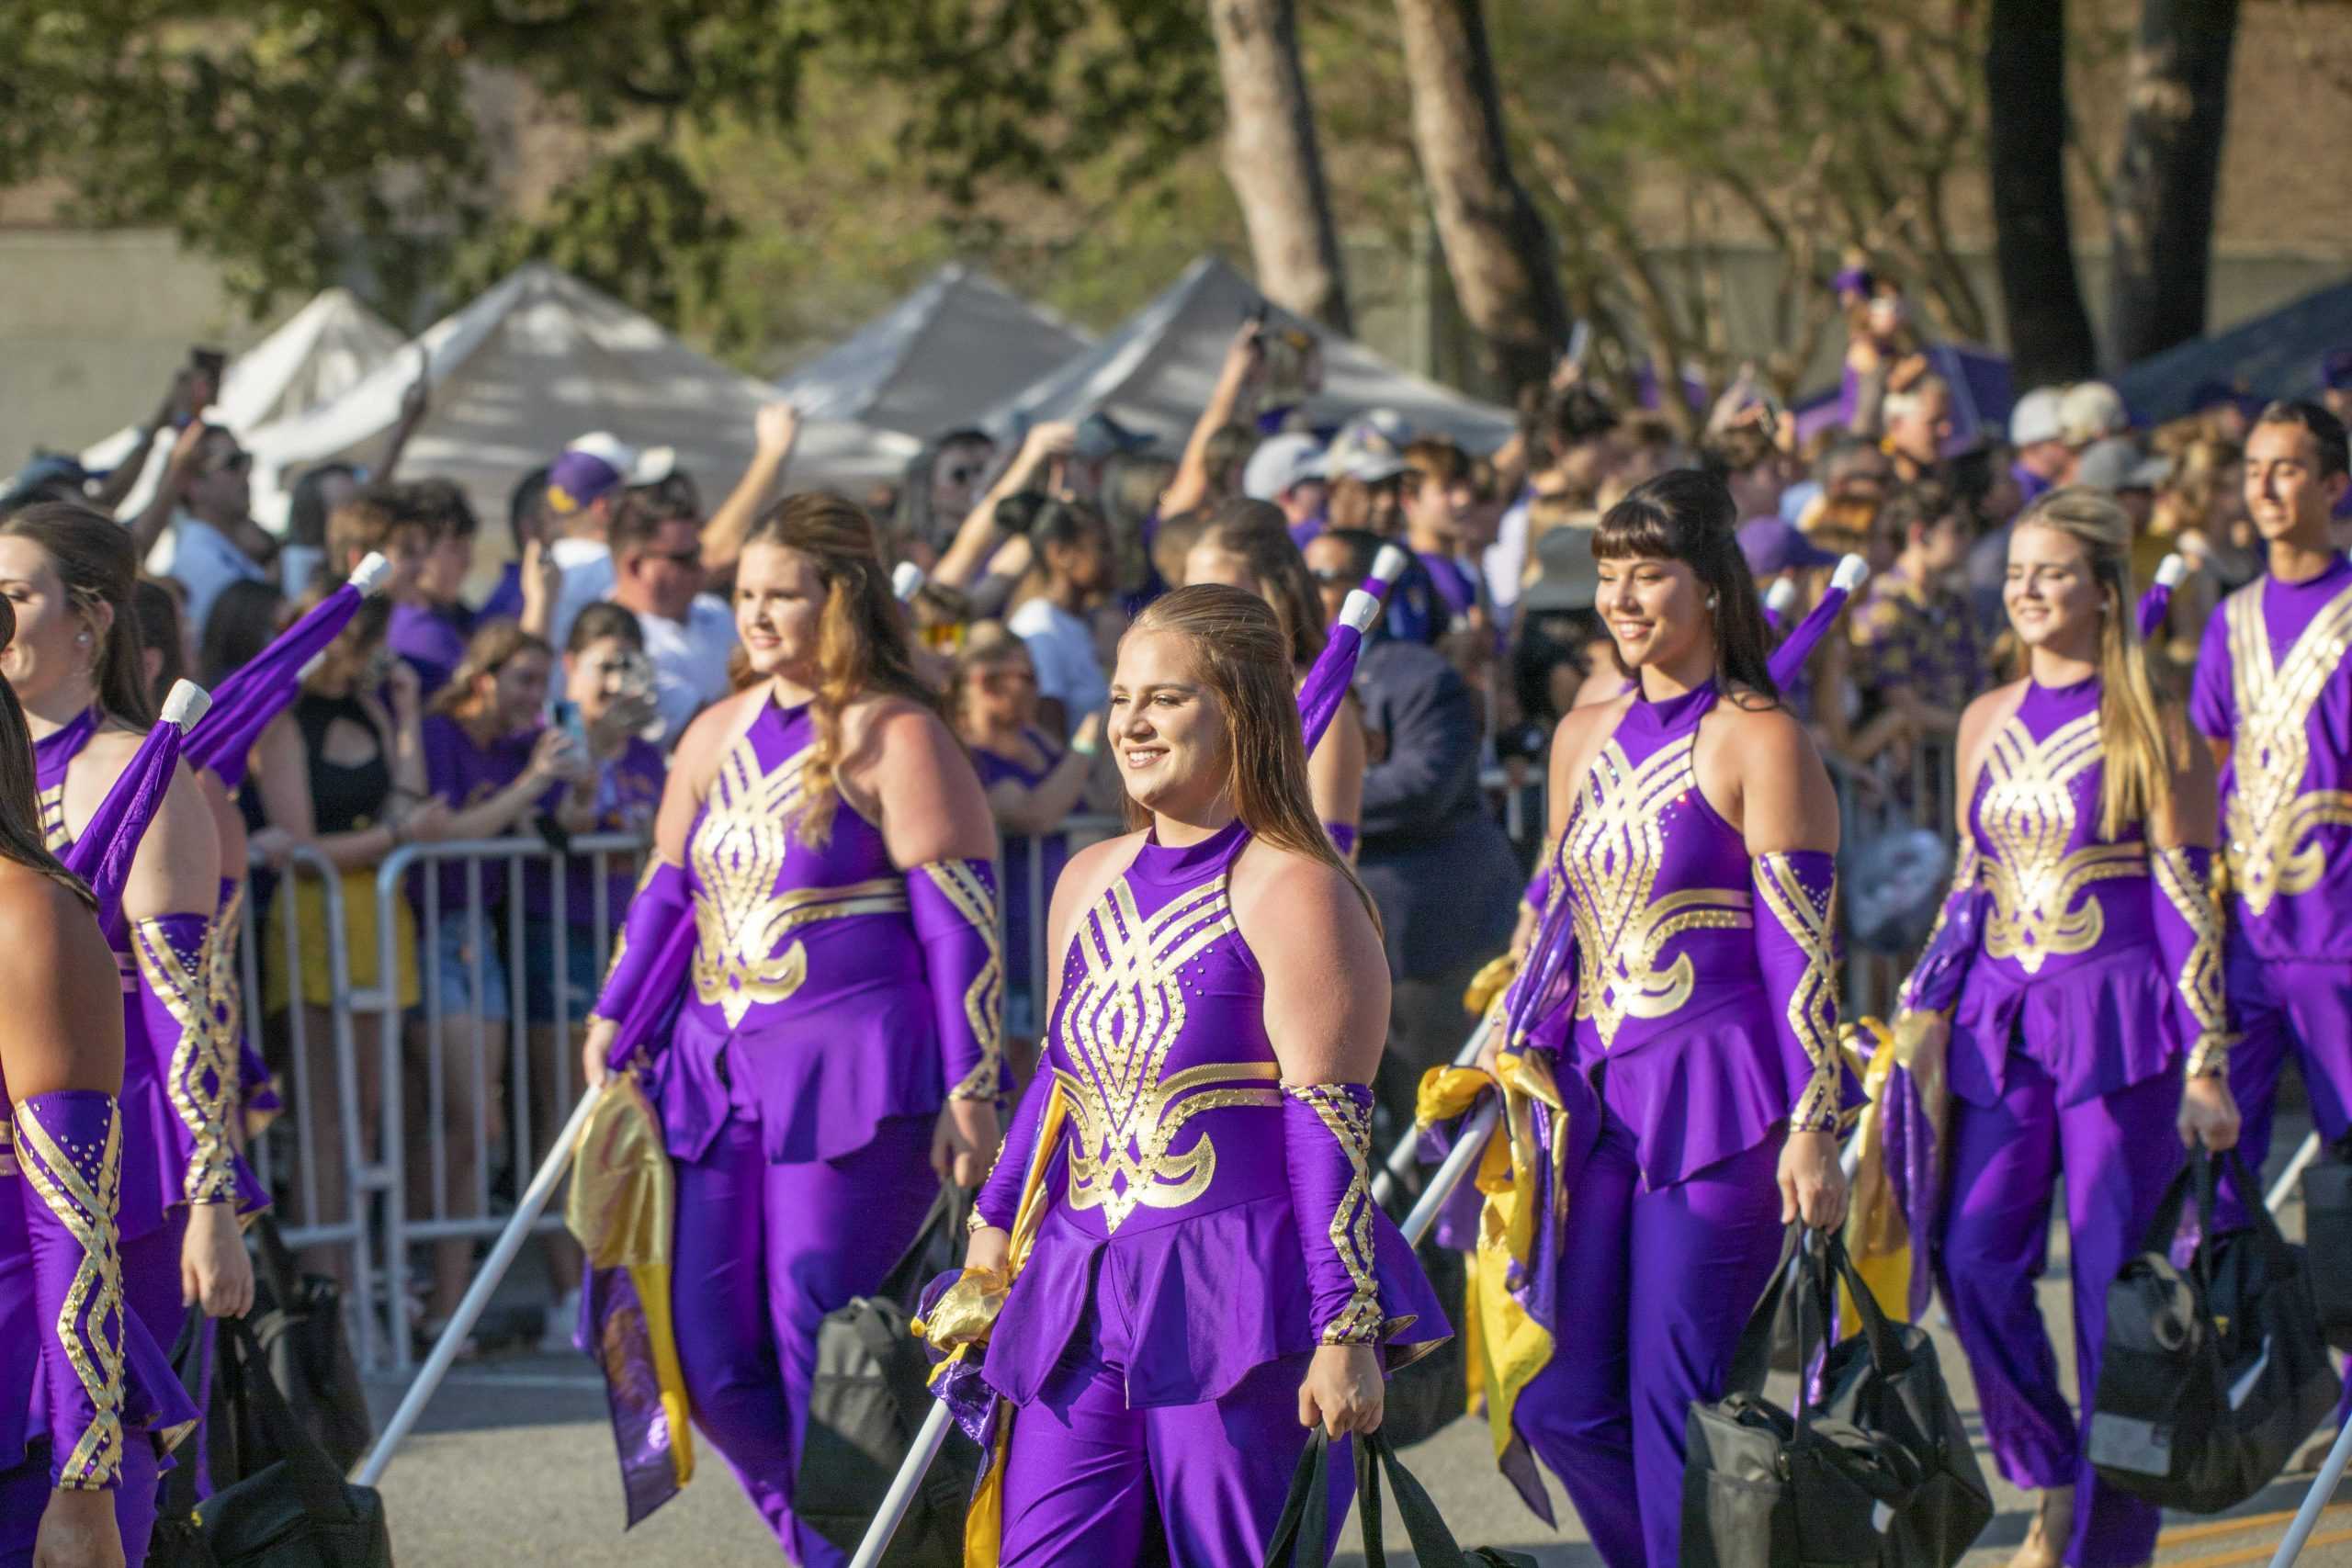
1582,731
1278,893
53,941
713,730
1981,715
1085,877
1759,731
880,722
109,751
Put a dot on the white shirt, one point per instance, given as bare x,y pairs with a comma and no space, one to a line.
1062,648
1506,558
204,561
689,661
588,575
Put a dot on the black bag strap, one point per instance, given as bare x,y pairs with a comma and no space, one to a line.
188,1361
1433,1543
1878,1330
1751,1363
308,1468
2166,1221
1307,1511
905,1280
2249,1190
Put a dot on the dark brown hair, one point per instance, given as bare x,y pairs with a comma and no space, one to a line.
861,636
93,558
159,632
20,834
1687,515
1257,532
498,644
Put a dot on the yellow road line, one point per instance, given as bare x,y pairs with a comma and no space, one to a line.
2260,1553
2188,1535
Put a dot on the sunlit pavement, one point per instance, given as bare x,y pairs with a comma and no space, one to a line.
513,1465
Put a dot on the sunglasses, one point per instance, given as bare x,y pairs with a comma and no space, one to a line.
1333,577
236,462
962,475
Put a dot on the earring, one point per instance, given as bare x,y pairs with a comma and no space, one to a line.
1711,603
83,640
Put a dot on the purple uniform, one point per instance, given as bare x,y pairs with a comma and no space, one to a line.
1209,1225
2273,683
832,1002
1703,1029
2094,976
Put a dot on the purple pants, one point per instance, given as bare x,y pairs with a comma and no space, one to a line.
1662,1281
1084,1475
762,1253
2299,1009
24,1494
2116,1153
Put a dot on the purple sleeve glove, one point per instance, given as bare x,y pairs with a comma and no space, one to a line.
1327,1141
2189,935
1934,981
954,906
1539,888
1796,903
195,1055
999,1202
644,959
1344,837
69,1149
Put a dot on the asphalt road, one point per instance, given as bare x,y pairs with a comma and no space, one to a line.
513,1465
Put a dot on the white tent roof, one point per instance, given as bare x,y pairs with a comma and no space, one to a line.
541,359
936,359
321,352
1154,374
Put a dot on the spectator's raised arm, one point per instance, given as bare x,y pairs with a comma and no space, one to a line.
775,429
1243,359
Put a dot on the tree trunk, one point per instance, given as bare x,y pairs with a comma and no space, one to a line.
2162,224
1271,162
1496,246
2025,91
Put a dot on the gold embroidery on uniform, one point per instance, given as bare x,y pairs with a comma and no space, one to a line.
1813,1002
1119,1018
52,819
741,920
961,883
90,1322
203,1074
7,1150
2268,822
2028,813
1359,1322
223,989
2200,976
1610,857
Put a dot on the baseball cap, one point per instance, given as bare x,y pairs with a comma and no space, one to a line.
1370,447
1279,463
2035,418
1570,577
1772,545
2089,410
2109,465
586,471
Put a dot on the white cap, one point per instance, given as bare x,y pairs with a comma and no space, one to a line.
1389,564
1850,573
608,449
369,574
2089,410
1360,610
1783,597
906,581
2170,571
184,704
2034,419
1279,463
652,466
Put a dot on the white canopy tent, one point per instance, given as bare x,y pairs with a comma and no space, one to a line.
1154,374
321,352
541,359
936,359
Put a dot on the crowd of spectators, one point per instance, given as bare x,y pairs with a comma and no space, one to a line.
546,708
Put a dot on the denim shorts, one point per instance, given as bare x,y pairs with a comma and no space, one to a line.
582,966
452,937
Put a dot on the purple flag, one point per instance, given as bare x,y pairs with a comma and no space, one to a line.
2157,600
1789,658
1335,667
101,856
247,699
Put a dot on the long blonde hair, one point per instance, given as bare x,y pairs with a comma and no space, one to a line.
1237,652
861,636
2139,739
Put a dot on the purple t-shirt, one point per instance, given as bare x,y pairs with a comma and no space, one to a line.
1053,850
628,792
2273,681
506,601
432,637
1455,585
464,774
1306,533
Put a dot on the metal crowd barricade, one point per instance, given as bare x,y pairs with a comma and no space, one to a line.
294,1139
422,1137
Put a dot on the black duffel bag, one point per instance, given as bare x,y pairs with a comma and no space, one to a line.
1302,1534
1888,1384
868,1399
289,1508
1825,1485
2327,1241
297,1320
2210,1378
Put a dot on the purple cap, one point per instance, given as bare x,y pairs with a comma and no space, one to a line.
1772,544
577,480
